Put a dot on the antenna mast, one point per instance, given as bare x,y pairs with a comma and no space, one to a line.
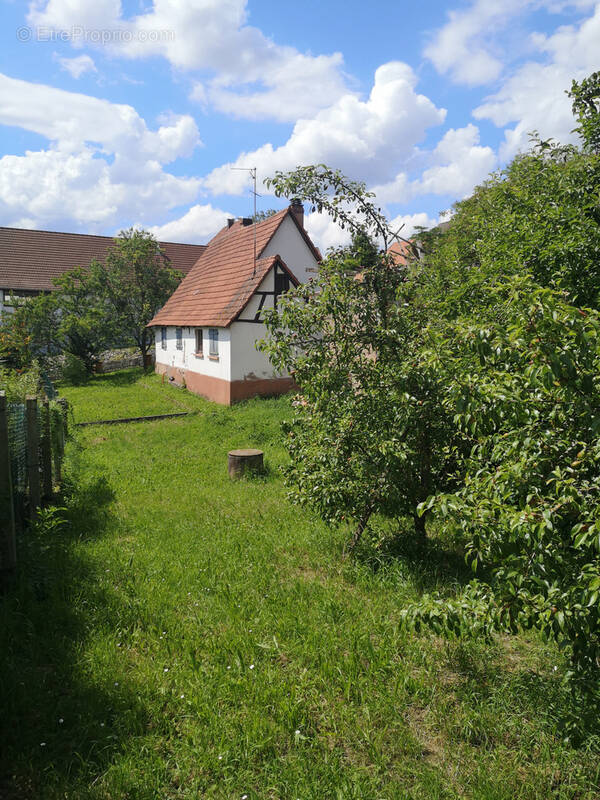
252,171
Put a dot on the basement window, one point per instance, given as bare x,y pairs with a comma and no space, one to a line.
179,338
163,338
213,338
199,343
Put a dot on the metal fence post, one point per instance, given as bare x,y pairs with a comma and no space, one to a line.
8,543
33,456
46,450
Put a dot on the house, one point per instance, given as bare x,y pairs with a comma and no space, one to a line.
30,260
207,331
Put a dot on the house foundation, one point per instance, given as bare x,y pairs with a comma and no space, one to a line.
225,392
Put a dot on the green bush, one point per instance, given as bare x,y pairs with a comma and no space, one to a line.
17,384
74,370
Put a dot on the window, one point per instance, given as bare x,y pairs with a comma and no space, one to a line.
282,283
163,338
199,344
179,338
213,337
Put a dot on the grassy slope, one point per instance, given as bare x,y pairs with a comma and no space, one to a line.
203,638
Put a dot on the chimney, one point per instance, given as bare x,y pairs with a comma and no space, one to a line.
297,210
230,222
246,221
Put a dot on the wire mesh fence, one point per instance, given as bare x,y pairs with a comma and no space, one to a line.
32,443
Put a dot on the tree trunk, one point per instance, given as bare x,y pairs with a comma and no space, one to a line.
362,524
419,520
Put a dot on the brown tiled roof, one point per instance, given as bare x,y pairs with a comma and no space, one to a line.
31,259
401,252
224,280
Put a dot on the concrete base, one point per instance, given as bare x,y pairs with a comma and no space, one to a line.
225,392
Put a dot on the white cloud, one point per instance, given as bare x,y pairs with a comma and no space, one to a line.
102,167
534,96
476,42
78,66
253,77
198,225
410,222
454,167
461,47
365,139
462,163
324,232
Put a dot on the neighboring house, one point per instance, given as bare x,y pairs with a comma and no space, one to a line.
30,260
207,331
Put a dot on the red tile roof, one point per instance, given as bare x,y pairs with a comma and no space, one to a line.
31,259
401,252
223,281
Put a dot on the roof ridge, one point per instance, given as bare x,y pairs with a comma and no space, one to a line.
90,235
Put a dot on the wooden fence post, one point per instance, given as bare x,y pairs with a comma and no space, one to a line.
46,450
33,456
62,401
8,542
59,448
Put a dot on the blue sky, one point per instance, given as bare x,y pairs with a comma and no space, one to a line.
115,114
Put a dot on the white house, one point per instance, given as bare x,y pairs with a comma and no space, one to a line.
207,331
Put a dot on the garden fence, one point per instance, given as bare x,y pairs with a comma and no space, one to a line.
32,443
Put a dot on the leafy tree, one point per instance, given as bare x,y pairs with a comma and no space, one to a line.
72,319
539,216
350,340
94,307
136,281
527,393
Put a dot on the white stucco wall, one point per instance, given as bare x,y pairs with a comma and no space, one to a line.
186,358
297,255
246,362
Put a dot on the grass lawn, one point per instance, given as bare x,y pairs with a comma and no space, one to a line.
185,636
127,393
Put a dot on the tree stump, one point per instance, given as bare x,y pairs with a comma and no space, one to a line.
241,461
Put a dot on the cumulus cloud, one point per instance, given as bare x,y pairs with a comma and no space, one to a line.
364,138
462,48
459,164
78,66
102,164
253,77
533,97
198,225
469,48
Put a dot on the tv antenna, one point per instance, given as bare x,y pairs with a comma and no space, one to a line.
252,171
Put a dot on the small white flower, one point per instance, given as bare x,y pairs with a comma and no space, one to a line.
42,744
166,669
101,724
244,797
228,667
554,668
297,733
220,758
60,721
251,666
116,683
